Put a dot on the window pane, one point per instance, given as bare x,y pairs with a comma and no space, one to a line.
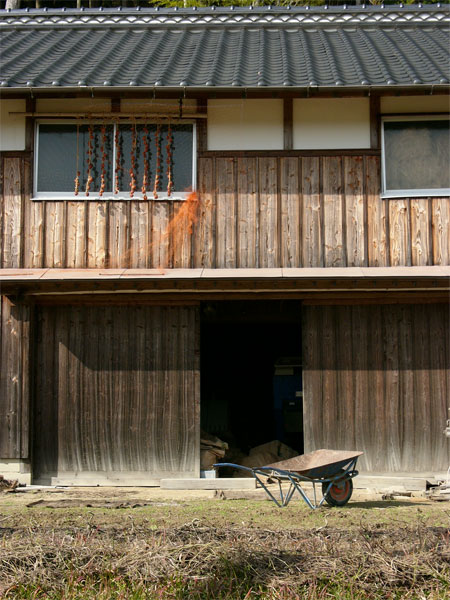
417,155
62,151
180,164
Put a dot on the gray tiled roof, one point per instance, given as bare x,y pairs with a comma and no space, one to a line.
226,48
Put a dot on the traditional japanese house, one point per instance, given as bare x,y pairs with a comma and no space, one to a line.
197,202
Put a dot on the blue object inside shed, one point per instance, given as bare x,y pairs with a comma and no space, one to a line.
288,401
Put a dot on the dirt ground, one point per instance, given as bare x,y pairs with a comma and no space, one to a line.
151,543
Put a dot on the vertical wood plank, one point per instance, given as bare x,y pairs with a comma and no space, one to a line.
407,409
332,212
34,234
354,203
392,390
75,235
312,378
311,234
10,382
363,428
422,422
440,221
97,234
160,242
181,232
399,232
54,238
439,360
204,230
247,213
139,235
12,212
329,377
377,414
226,214
376,216
119,253
290,213
268,212
420,230
346,398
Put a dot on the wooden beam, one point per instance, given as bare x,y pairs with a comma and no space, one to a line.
286,153
193,299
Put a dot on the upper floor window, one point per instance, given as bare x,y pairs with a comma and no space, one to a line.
415,156
126,160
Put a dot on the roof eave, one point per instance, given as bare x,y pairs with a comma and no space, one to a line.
233,90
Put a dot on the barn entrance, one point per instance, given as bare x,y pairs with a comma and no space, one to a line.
251,381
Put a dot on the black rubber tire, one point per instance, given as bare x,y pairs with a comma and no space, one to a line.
339,494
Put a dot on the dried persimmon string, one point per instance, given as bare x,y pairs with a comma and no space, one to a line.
133,161
146,157
90,166
77,178
156,187
169,160
104,158
118,159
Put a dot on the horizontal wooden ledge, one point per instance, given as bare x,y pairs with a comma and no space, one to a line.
200,282
347,273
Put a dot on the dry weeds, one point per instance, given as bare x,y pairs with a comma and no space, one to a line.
200,560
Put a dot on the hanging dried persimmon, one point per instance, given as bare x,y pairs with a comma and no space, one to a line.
103,163
169,160
118,167
156,187
146,157
90,153
132,171
77,178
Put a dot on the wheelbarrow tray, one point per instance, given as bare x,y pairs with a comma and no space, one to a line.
329,468
319,464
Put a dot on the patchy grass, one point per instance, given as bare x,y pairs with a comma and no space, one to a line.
229,550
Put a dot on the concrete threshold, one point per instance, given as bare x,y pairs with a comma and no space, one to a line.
220,483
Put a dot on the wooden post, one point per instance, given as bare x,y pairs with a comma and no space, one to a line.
287,123
375,122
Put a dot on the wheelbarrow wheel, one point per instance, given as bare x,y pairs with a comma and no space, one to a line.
338,494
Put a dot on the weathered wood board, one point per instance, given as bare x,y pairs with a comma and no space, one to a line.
376,380
14,379
117,392
254,212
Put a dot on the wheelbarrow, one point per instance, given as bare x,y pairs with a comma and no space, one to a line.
331,470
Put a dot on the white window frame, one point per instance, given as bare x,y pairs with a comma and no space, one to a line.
93,194
413,192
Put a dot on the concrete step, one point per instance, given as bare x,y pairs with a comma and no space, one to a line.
392,483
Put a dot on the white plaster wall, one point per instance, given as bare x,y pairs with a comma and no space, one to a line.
242,124
12,127
65,105
414,104
331,123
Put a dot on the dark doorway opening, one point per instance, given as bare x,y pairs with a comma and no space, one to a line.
251,388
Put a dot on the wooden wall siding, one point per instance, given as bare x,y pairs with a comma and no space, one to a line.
125,402
311,211
14,379
377,379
